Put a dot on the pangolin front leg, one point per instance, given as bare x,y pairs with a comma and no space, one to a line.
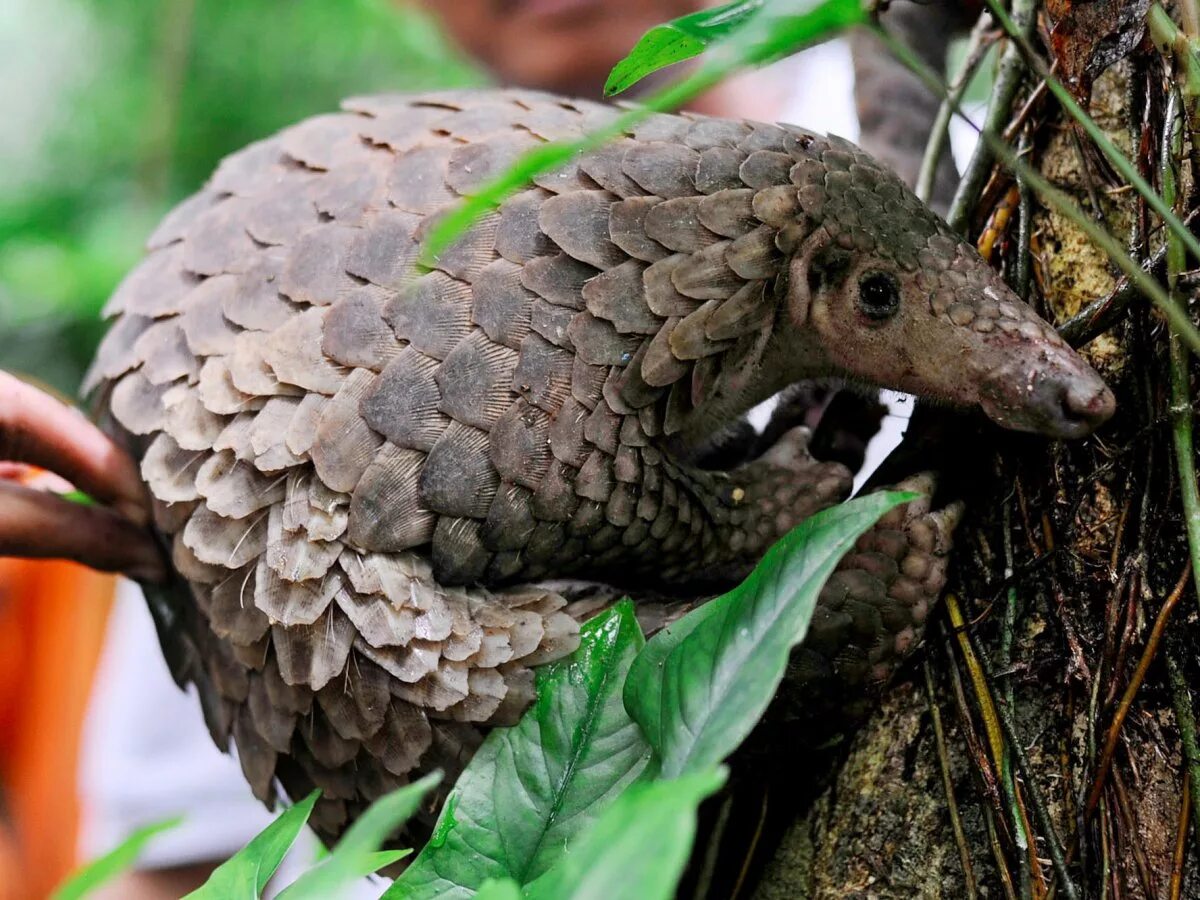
757,502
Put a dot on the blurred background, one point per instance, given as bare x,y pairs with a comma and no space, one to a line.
115,110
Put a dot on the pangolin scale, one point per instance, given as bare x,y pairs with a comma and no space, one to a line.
366,473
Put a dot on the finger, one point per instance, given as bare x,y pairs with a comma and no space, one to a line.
41,525
36,428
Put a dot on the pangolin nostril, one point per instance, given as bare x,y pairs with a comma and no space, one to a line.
1089,404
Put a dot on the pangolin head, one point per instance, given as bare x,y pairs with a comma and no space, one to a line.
900,301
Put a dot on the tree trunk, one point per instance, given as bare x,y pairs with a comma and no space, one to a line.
1068,556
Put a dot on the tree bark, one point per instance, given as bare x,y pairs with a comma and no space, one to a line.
1068,556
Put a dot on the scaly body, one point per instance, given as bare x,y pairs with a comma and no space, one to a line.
364,472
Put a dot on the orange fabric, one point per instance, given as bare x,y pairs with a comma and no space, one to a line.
52,618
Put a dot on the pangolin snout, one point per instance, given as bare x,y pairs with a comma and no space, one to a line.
1058,405
1087,406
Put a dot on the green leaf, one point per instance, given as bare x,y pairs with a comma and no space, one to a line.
746,33
780,27
499,889
532,788
637,848
111,864
357,853
246,873
677,40
700,685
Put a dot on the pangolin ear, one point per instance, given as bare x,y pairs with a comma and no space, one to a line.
819,264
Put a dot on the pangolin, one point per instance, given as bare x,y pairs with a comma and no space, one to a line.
372,477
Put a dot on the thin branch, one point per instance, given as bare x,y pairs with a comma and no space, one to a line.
956,825
1004,92
940,132
1024,273
1185,720
1103,313
1054,843
999,718
1179,858
1182,418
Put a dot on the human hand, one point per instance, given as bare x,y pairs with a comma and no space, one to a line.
38,430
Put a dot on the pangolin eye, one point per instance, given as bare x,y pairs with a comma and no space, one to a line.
878,295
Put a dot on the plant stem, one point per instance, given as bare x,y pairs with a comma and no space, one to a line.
1024,274
1180,857
1182,424
1180,44
1004,91
1053,842
1101,314
1182,419
1001,735
1173,42
1131,690
1008,624
956,825
1181,700
940,132
1189,12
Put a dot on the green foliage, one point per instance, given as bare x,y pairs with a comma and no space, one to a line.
246,873
126,107
773,30
531,789
736,36
355,856
565,802
700,686
357,853
499,889
677,40
638,847
102,870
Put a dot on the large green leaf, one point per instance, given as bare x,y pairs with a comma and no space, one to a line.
777,28
357,853
677,40
111,864
532,788
499,889
637,848
699,686
244,875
